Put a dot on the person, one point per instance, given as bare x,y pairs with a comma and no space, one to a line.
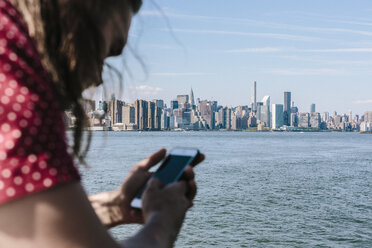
50,51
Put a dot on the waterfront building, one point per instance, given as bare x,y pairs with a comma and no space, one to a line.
206,110
158,115
252,121
304,120
325,117
259,111
294,120
141,114
229,113
115,111
287,108
129,114
277,116
254,96
312,108
315,120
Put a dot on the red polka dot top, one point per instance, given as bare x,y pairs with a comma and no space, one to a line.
33,148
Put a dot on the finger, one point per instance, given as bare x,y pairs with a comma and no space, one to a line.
153,159
154,184
192,189
180,186
198,159
136,215
188,174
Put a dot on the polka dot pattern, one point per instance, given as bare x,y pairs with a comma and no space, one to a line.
33,149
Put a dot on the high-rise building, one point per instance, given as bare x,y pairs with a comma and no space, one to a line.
254,96
287,108
159,103
315,120
265,111
151,115
191,99
266,100
368,116
174,105
325,116
304,120
277,116
115,111
259,111
129,115
183,100
141,112
312,108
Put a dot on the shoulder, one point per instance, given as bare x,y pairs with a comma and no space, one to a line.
33,147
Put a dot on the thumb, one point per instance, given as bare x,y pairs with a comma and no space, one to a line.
154,184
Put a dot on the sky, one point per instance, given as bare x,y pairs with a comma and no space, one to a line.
320,50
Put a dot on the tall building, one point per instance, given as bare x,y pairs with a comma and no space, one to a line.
265,111
254,96
277,116
128,115
191,99
287,108
312,108
266,100
304,120
315,120
159,103
141,112
151,115
183,100
115,111
174,105
368,116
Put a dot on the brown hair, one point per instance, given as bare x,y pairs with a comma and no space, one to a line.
68,34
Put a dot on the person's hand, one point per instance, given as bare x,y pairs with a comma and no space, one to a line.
113,208
167,204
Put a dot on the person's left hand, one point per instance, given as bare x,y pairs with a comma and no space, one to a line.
113,208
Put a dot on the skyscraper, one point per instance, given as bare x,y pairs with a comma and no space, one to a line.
277,116
287,108
312,108
254,96
265,111
191,99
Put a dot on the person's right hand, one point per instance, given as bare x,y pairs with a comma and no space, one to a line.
169,204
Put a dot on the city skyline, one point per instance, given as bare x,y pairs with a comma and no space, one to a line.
184,113
318,50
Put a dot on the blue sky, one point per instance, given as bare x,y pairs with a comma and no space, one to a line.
320,50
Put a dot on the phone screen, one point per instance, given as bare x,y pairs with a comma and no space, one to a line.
170,171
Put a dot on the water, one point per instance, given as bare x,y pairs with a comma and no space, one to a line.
257,189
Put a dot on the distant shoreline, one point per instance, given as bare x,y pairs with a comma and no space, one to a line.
253,131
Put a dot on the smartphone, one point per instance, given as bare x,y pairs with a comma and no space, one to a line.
170,170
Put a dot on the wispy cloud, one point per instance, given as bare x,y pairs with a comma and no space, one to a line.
338,50
256,50
237,33
296,50
307,72
144,90
177,74
251,22
363,101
